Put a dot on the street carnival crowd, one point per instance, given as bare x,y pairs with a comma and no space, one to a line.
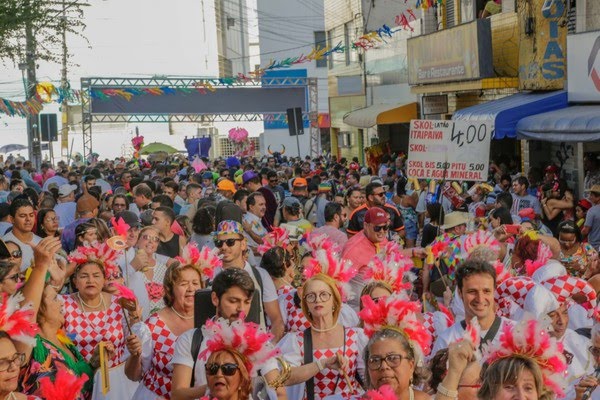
274,277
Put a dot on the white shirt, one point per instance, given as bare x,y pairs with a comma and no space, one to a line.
25,248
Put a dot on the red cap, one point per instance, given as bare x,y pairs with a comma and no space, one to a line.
300,182
376,216
552,169
585,204
528,213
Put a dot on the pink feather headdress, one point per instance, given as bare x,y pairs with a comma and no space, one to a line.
502,273
480,239
331,265
399,313
530,340
246,338
393,268
208,260
120,227
385,392
278,237
437,321
100,253
17,321
543,255
66,385
123,292
314,242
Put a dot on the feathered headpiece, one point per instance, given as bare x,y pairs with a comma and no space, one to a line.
207,259
530,340
330,264
473,332
278,237
66,385
119,241
391,267
18,322
100,253
480,239
398,313
502,273
245,338
314,242
385,392
543,255
437,321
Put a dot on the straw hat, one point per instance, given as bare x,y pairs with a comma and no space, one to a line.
455,218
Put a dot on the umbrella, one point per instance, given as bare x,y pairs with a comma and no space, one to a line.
156,147
7,148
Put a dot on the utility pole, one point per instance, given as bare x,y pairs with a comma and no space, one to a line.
33,135
64,84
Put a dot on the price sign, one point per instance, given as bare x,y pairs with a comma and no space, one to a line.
455,150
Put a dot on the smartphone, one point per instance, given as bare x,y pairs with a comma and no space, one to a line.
512,229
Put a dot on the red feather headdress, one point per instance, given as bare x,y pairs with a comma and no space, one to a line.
399,313
100,253
330,264
278,237
391,267
208,260
385,392
314,242
66,385
480,239
17,321
530,340
246,338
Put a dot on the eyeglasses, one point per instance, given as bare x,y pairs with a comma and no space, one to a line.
52,219
18,360
381,194
228,369
312,297
392,360
16,277
228,242
595,351
381,228
16,254
154,239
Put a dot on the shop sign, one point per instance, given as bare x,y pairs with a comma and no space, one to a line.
454,150
583,56
456,54
431,105
542,55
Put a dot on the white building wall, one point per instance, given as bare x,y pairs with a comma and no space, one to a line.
286,29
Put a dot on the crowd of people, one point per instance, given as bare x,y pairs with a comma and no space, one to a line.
264,278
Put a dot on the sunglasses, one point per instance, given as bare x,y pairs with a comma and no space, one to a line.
379,194
228,242
228,369
154,239
16,254
381,228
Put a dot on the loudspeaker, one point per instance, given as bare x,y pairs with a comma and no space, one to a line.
295,122
48,127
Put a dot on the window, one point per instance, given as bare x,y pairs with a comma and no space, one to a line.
320,42
230,22
344,139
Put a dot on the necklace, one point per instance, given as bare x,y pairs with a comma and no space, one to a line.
83,303
323,330
11,396
181,316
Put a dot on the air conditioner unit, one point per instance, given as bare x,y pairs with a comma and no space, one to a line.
344,139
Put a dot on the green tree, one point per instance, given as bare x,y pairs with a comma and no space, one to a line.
46,20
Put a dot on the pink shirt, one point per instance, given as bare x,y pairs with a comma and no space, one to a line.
332,233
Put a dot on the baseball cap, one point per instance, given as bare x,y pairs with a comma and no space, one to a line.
376,216
226,185
583,203
324,187
527,214
248,175
229,226
66,189
87,203
207,175
291,202
129,218
300,182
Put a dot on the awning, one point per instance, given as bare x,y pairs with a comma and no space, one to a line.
571,124
381,114
507,111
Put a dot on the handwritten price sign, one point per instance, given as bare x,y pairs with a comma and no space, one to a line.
455,150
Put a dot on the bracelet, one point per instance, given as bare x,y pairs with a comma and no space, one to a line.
319,365
283,376
453,394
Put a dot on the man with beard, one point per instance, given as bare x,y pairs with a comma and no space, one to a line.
375,194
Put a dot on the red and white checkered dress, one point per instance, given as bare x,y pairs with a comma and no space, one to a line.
158,377
294,318
94,327
285,289
328,381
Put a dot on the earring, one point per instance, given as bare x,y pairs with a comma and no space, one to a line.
333,309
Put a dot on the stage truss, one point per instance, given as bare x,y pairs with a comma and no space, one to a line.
90,84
